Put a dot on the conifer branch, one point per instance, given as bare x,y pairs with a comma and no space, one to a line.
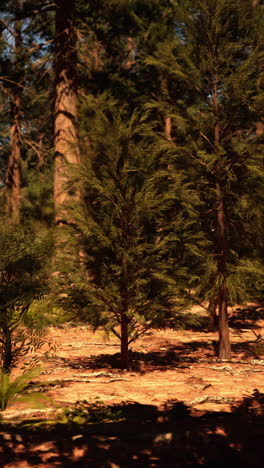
208,141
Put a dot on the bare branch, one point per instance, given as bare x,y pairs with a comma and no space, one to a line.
10,30
3,78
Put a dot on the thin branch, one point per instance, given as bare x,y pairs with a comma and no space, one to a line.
116,333
198,161
38,46
25,14
39,150
4,90
207,139
11,31
16,84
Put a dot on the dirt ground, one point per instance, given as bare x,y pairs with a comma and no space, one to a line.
187,408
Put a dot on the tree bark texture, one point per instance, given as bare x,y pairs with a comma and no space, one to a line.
7,354
13,173
124,342
124,319
221,247
212,314
65,108
224,342
168,128
167,119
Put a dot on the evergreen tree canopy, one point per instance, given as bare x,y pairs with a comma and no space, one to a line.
216,60
24,260
132,253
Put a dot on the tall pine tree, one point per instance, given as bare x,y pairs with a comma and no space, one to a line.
216,60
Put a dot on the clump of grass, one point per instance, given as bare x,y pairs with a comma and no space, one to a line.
93,411
14,390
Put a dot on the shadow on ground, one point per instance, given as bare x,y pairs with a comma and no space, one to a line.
171,357
172,437
246,317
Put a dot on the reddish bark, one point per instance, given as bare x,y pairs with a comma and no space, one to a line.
13,174
212,314
65,109
221,247
124,342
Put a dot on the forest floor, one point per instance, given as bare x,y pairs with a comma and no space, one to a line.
183,407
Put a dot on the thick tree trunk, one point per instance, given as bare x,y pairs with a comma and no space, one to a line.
13,174
124,342
65,109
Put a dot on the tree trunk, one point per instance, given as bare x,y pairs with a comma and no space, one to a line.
224,342
124,320
168,127
7,355
124,342
167,119
13,174
212,314
221,247
131,52
65,109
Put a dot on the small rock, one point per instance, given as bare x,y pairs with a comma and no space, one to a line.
199,400
78,436
163,439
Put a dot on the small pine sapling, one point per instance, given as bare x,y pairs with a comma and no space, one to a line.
23,278
130,264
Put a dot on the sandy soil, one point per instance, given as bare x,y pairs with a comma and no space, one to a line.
168,368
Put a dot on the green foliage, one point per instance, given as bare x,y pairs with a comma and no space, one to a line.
43,313
134,230
215,81
190,321
148,225
94,411
24,268
11,391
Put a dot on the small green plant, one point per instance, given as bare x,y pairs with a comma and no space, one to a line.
11,391
91,412
24,263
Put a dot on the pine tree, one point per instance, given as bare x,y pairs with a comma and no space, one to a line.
65,109
27,112
134,256
23,278
216,61
12,87
13,175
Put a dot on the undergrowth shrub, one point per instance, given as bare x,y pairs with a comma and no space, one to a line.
24,266
11,391
91,412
